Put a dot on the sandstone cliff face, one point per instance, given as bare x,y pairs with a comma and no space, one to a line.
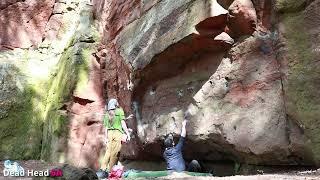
23,23
299,54
225,62
246,70
47,66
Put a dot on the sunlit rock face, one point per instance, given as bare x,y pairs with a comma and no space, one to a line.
23,23
51,96
167,24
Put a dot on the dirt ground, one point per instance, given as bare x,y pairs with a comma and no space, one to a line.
287,176
292,175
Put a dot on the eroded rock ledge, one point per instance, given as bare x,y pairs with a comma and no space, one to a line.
218,61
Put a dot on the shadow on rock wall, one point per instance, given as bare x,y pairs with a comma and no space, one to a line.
21,117
167,87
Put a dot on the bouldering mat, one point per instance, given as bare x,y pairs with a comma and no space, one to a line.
131,174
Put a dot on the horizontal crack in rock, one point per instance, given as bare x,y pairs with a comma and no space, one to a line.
82,101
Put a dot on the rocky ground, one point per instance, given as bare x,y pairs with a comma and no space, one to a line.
292,175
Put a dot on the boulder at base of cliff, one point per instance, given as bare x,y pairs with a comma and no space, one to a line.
236,105
71,172
242,17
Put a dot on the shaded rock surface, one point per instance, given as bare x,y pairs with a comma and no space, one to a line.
299,55
231,101
71,172
51,94
247,71
183,58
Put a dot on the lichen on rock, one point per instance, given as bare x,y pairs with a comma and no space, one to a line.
290,5
301,82
38,82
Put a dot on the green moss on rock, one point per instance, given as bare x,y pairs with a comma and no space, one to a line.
72,74
22,129
83,69
289,5
303,86
31,120
33,123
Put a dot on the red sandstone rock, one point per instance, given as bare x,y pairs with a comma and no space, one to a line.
242,17
5,3
242,112
90,151
93,89
22,24
116,78
59,8
228,106
264,10
88,101
122,12
215,24
85,141
86,123
78,133
53,27
73,153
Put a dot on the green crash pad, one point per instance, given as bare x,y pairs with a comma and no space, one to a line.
138,174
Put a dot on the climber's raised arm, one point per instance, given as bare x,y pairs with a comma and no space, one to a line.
183,128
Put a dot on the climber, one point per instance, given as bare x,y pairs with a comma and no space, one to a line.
173,154
116,132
